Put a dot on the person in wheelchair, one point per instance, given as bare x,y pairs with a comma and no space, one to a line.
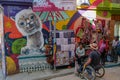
94,56
90,69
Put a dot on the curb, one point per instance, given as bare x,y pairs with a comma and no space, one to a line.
112,65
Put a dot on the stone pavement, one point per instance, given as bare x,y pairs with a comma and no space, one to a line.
46,74
110,74
40,75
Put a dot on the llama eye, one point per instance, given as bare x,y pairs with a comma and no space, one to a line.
32,17
22,23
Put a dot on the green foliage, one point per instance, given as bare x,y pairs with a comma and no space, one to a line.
17,45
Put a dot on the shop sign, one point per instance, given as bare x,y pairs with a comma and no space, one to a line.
53,5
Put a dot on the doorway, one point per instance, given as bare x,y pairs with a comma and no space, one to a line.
117,29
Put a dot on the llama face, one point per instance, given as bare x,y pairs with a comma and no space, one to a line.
27,22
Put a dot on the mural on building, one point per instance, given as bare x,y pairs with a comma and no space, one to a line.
21,39
30,26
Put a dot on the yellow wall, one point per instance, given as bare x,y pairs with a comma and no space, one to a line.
59,24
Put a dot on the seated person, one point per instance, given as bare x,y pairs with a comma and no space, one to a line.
80,53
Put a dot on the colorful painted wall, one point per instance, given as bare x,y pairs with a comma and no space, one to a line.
66,20
15,39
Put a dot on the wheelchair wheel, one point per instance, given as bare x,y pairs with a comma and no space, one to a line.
100,72
89,73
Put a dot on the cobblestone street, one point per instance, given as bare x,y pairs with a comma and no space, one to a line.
111,74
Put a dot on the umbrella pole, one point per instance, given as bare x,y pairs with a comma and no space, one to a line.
54,48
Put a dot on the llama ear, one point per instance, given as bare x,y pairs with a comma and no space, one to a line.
13,18
30,8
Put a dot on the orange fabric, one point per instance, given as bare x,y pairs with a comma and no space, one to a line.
77,39
44,27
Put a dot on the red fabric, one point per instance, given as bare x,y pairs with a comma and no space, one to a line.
77,30
107,44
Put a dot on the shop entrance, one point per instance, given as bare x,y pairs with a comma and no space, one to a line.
117,29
